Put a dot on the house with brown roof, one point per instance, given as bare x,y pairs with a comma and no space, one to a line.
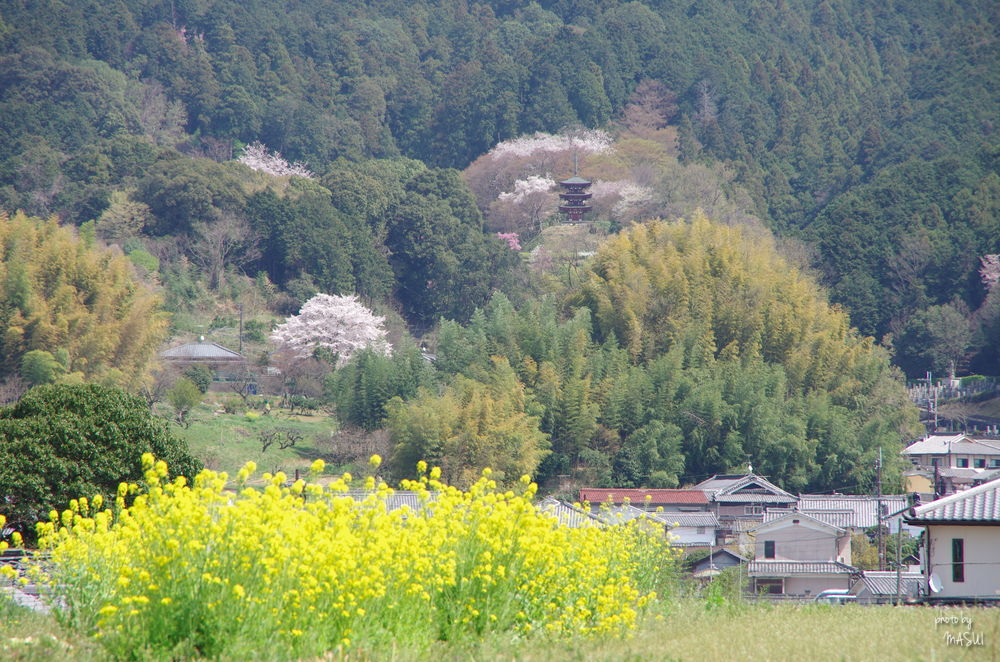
960,551
646,498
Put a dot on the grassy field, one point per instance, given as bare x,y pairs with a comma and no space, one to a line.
692,633
687,631
224,442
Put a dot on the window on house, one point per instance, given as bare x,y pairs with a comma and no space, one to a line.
958,560
753,510
979,463
770,586
995,463
701,529
963,463
768,549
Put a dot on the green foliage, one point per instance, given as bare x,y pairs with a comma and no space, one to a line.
362,388
57,295
201,376
470,426
40,367
183,397
61,441
938,339
815,108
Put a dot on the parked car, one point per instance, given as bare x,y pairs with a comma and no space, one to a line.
835,596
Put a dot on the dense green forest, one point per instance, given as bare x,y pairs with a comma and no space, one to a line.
864,137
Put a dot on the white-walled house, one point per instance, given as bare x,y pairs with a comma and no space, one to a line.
798,556
961,548
689,529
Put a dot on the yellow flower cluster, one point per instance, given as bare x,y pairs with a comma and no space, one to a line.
199,570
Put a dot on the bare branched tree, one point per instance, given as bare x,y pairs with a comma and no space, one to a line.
227,241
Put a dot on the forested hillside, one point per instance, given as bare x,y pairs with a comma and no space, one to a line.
256,152
868,130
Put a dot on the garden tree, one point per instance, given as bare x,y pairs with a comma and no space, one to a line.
445,266
182,192
362,387
60,296
938,339
470,426
183,397
339,324
223,243
200,375
864,555
40,367
61,442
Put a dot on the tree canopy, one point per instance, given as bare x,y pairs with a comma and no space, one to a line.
60,442
80,303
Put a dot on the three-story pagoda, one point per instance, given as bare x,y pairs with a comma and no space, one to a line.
575,198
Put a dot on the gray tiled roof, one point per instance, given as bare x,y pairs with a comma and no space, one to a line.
884,582
202,351
687,518
621,514
976,504
863,509
398,499
959,444
748,488
789,568
568,514
772,516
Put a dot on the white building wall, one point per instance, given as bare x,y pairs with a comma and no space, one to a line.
800,542
982,560
690,535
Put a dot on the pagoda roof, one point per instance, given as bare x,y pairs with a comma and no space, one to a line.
575,180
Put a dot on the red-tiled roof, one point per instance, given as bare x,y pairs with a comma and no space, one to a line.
637,497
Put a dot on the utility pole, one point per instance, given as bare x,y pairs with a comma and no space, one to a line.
878,492
899,559
241,328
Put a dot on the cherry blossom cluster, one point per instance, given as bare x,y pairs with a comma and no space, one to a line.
629,195
526,187
989,272
258,157
340,324
512,238
591,141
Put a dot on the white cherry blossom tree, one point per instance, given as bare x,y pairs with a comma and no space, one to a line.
340,324
258,157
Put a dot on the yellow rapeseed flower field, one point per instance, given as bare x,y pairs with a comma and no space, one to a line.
204,571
